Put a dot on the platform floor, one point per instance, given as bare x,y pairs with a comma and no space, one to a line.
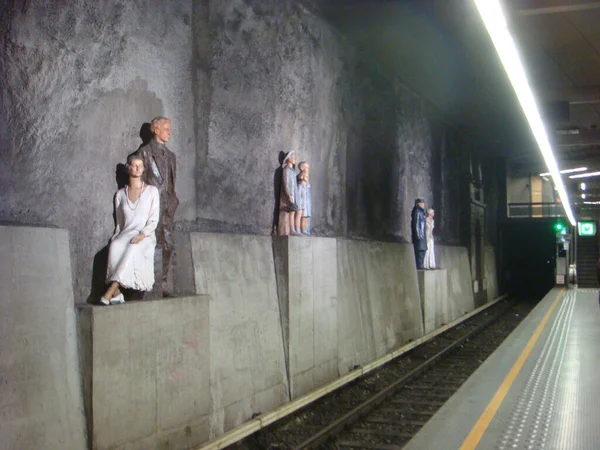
539,390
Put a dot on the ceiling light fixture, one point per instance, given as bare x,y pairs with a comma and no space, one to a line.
585,175
582,186
577,169
495,23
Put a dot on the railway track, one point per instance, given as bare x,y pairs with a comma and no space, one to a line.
385,409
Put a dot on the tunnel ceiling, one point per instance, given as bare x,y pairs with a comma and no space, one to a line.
441,49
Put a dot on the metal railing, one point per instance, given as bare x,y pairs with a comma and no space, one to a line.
535,210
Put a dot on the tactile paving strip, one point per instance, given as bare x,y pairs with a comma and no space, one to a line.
552,404
576,421
529,420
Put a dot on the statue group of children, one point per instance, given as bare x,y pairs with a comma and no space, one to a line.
295,198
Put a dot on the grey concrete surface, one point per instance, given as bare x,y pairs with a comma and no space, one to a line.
147,375
282,79
379,306
76,85
460,287
247,371
242,81
307,285
384,181
40,397
491,274
433,288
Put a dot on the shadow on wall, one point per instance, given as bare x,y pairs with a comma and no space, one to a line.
276,188
98,275
99,266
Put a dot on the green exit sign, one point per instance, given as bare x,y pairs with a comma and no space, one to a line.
586,228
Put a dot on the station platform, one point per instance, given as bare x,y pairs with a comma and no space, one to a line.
538,390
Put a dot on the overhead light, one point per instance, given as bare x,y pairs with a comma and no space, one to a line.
585,175
583,196
591,203
495,23
582,186
577,169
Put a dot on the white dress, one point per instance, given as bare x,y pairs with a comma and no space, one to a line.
429,262
132,265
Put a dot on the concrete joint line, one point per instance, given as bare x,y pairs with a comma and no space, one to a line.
254,425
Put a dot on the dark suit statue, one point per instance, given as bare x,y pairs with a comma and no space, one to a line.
417,226
160,167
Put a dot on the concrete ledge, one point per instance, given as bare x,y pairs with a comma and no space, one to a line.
247,371
379,306
254,425
40,397
146,375
307,286
460,287
433,287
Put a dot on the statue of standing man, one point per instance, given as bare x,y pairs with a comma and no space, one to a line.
161,164
418,231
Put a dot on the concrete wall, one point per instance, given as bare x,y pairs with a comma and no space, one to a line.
147,373
282,79
433,288
247,369
243,82
460,287
40,397
76,84
308,296
395,163
379,306
491,274
280,317
289,314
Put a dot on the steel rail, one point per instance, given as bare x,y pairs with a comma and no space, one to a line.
261,422
364,408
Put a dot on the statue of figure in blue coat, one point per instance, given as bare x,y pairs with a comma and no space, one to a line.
287,197
417,225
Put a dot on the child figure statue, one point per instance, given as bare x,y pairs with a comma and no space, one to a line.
303,219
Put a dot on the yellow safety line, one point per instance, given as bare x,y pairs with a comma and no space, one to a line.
474,437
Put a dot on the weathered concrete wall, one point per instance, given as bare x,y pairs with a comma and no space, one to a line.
491,273
40,399
433,287
147,373
242,81
281,80
379,306
307,288
394,164
247,370
77,82
460,286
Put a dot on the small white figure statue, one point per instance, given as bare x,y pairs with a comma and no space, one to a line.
429,262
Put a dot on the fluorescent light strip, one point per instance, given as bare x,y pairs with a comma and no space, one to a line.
577,169
495,23
585,175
